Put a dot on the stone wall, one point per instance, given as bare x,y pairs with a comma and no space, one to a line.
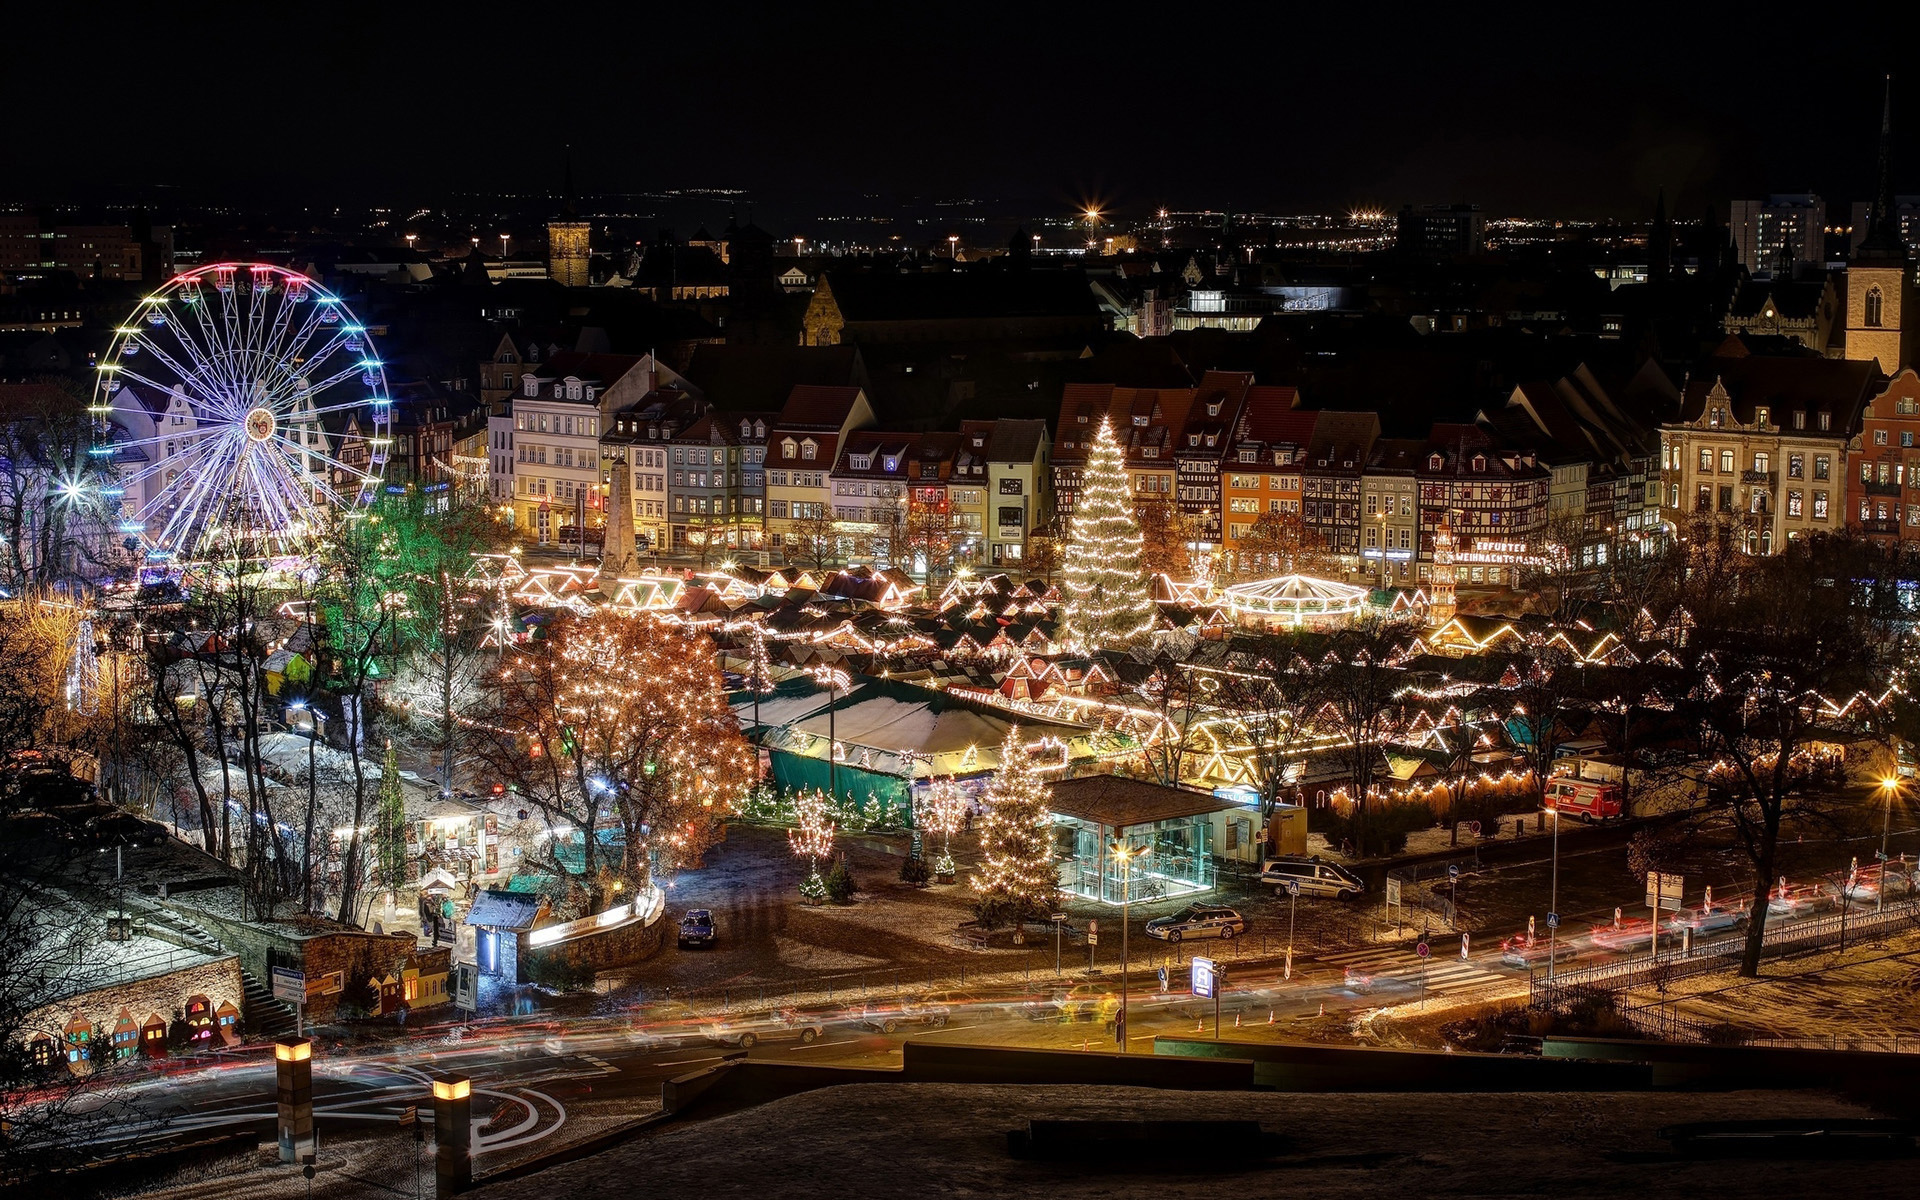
219,981
620,947
359,956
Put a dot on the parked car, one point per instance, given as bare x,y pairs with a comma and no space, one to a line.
779,1025
696,928
37,831
125,829
1315,875
1198,920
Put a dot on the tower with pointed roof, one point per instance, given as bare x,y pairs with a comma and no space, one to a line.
1880,277
1441,602
568,241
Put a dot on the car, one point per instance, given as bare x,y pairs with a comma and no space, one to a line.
696,928
1198,920
776,1025
125,829
1625,933
1523,951
1082,1002
36,830
1789,901
1706,919
1315,875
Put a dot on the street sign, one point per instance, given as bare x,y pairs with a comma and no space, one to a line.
1293,887
1058,917
1453,872
289,986
1553,920
1093,933
1205,974
1163,979
1393,892
1423,950
1663,891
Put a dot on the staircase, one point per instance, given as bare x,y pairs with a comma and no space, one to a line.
266,1016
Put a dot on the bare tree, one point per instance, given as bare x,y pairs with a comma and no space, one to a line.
50,522
813,539
1359,697
1282,544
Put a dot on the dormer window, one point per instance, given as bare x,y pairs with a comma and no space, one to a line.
890,464
1479,462
1213,439
808,449
789,448
1435,462
746,429
1213,410
760,430
1246,454
1193,439
1799,419
860,462
573,389
1760,418
532,387
1149,452
1140,420
979,443
1826,421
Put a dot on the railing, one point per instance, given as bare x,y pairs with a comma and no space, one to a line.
1763,478
1884,526
1878,488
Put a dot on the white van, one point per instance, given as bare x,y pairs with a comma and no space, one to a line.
1316,876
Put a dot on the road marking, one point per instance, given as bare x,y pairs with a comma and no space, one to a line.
596,1060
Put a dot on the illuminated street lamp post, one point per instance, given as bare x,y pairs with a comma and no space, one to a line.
836,681
1891,787
1553,896
953,247
1124,855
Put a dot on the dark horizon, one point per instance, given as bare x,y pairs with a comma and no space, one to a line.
876,108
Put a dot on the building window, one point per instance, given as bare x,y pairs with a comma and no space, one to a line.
1826,421
1819,506
1871,315
1796,466
1879,437
1761,461
1799,419
1726,462
1821,468
1706,459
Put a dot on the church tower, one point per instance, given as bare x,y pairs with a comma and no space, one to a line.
568,252
1441,601
1880,279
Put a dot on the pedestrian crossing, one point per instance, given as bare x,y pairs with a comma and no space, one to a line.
1394,969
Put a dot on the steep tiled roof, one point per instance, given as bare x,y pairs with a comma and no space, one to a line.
810,407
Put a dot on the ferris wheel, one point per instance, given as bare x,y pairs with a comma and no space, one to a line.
241,402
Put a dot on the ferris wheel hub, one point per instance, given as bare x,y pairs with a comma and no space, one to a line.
260,424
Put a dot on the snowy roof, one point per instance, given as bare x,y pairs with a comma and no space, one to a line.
506,910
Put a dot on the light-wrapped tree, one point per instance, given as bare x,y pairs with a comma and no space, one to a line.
1017,878
1105,587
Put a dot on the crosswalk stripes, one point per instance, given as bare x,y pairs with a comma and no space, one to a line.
597,1061
1401,968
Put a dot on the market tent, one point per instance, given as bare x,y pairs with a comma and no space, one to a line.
438,880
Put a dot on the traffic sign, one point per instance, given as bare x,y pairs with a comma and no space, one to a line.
1422,950
1553,920
1093,933
289,986
1664,891
1058,917
1293,887
1205,975
1163,979
1453,872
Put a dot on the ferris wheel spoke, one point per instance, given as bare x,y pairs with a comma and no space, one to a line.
299,481
322,455
217,363
189,378
285,350
184,527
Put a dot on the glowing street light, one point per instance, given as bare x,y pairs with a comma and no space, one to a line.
1124,855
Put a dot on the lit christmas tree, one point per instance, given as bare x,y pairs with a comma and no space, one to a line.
1107,604
1017,877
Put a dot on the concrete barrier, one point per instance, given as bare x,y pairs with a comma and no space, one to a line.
1290,1067
742,1083
924,1062
1730,1068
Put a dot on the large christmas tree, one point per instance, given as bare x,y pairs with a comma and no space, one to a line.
1107,605
1017,877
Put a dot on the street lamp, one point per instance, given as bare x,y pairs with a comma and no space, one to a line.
1891,787
836,681
953,246
503,244
1553,895
1124,855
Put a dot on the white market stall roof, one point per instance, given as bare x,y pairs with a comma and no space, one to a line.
1296,598
915,732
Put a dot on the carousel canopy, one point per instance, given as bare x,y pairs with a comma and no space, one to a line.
1296,598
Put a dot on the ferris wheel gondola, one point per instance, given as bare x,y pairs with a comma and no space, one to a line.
270,411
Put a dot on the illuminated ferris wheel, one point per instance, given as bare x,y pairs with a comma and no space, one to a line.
239,403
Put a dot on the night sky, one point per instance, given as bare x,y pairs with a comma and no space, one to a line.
835,107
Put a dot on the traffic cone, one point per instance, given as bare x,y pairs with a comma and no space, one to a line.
1269,1016
1323,1008
1199,1026
1236,1020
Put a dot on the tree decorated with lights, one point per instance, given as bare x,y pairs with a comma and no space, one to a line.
619,723
1017,878
812,838
1107,604
944,813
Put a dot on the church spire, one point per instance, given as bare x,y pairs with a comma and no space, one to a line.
1883,238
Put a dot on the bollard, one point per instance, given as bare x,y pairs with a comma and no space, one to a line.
1269,1016
293,1080
1236,1020
452,1135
